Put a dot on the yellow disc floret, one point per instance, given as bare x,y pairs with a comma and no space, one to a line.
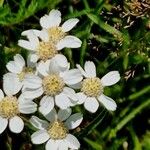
26,70
53,84
56,34
9,107
92,87
57,130
47,50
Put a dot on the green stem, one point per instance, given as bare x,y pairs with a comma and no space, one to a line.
136,142
140,93
89,128
128,118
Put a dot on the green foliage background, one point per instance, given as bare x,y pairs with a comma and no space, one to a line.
116,36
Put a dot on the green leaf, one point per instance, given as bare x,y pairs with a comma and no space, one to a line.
93,144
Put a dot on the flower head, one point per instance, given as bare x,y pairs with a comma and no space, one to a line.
11,109
17,72
54,83
56,131
92,88
46,43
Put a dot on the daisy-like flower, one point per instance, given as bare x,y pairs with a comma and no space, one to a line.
53,84
92,88
53,37
11,109
56,132
56,33
17,71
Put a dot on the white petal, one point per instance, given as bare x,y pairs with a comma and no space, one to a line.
63,145
43,67
52,145
27,45
74,121
11,84
42,34
46,105
72,142
39,137
19,61
51,20
33,58
82,71
69,42
32,93
1,95
109,103
39,123
76,86
51,116
69,24
110,78
12,67
27,107
31,36
59,63
64,114
32,81
81,97
16,124
91,104
62,101
90,69
3,124
72,76
70,93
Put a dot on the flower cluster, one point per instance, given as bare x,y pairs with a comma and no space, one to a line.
47,81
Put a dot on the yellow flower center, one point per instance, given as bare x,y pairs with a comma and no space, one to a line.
9,107
53,84
26,70
92,87
56,34
57,130
47,50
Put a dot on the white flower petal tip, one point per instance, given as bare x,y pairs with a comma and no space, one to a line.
90,69
27,106
69,24
110,78
51,20
81,98
46,105
72,142
3,124
53,144
11,84
16,124
74,121
64,114
91,104
27,32
108,103
1,95
38,123
39,137
69,42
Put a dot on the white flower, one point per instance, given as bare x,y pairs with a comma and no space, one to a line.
54,38
58,34
92,88
56,133
11,109
15,78
53,84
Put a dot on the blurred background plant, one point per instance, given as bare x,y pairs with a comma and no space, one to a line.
116,36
